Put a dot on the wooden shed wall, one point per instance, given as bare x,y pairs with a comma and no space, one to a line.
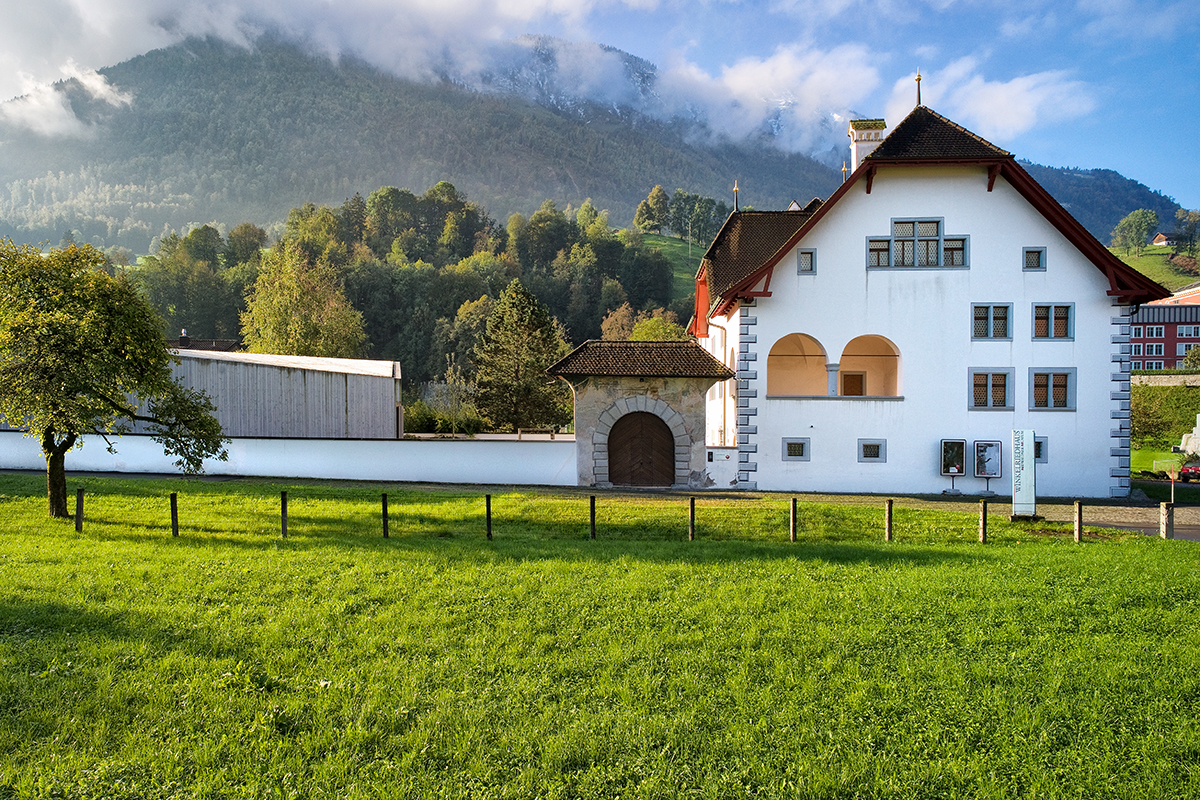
263,400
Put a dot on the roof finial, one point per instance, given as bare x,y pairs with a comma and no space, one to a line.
918,86
843,171
735,196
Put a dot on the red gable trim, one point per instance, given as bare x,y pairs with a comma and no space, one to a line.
1125,282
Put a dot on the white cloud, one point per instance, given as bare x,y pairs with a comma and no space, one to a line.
44,110
996,110
794,87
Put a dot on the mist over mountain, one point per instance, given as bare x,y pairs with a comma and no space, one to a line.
208,131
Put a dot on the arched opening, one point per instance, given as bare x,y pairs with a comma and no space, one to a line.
796,366
870,366
641,451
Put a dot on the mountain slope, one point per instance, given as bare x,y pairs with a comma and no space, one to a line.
214,132
219,133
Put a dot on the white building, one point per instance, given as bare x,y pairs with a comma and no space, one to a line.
939,293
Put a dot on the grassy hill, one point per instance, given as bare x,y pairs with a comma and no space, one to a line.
1155,263
229,662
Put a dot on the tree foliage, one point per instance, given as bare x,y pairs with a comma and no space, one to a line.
298,309
82,352
520,343
1134,230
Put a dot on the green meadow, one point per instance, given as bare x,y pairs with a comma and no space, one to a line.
230,662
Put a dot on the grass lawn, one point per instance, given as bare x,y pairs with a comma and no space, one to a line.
1154,264
232,663
1143,459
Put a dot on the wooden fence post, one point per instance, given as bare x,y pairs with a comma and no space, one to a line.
385,516
283,513
78,510
887,520
691,519
174,514
593,505
983,521
1078,521
488,501
1166,520
793,521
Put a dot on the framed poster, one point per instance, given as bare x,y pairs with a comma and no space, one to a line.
954,457
989,462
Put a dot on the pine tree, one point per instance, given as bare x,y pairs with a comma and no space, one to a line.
511,358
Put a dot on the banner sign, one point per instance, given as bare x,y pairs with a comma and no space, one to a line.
1024,502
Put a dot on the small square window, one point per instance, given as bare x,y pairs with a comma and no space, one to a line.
990,322
1137,332
796,449
872,450
1041,450
1054,321
879,253
991,389
1035,258
1136,365
1051,390
807,262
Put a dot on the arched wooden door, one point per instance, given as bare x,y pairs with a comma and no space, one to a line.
641,451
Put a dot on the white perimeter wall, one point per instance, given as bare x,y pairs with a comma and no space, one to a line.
539,463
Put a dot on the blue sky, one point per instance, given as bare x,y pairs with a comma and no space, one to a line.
1094,84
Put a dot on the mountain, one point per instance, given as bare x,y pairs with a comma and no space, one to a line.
216,132
207,131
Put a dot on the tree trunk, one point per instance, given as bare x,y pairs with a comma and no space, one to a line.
56,472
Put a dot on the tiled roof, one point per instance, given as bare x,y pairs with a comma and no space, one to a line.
640,360
925,134
746,241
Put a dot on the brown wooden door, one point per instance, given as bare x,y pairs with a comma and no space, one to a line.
641,451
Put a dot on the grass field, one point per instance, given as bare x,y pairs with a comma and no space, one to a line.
232,663
1154,264
684,267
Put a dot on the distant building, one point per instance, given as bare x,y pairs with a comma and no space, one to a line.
1161,335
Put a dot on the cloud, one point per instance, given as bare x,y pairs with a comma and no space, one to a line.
795,91
996,110
46,110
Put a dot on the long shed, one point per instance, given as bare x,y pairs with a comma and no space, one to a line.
297,397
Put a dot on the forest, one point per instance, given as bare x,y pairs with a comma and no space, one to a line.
424,272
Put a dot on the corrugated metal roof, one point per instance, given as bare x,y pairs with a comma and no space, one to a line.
348,366
1159,314
641,360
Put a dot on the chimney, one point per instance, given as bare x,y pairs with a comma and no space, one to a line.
184,339
865,135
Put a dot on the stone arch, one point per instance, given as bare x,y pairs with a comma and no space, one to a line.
870,366
796,365
628,405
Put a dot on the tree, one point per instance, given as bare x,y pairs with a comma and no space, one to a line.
300,310
511,358
81,352
660,208
1132,232
1187,226
659,326
1191,359
245,244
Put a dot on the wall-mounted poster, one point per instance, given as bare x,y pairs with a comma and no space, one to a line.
989,459
954,457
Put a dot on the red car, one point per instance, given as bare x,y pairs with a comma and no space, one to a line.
1189,472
